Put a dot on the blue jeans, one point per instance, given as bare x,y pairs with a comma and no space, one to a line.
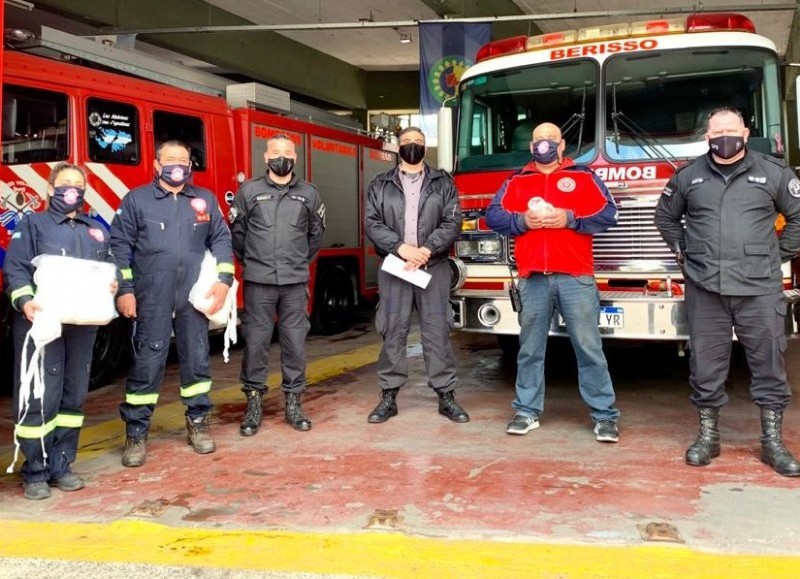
577,300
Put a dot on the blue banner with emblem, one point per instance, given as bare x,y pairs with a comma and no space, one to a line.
446,50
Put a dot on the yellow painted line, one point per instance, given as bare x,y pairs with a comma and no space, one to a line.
374,554
99,438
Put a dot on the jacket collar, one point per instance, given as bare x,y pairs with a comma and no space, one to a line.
61,218
566,163
160,192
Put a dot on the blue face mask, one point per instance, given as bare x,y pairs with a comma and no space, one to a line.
176,175
66,199
544,151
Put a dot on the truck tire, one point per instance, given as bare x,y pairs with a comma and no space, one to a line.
111,352
333,301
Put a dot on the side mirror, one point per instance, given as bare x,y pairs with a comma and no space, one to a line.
445,139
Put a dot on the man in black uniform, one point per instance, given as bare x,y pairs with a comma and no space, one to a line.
159,237
277,222
731,258
413,212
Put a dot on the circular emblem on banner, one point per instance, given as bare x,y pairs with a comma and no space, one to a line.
96,234
566,184
95,119
199,205
445,74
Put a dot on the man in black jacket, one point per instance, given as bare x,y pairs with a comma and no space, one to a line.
731,257
413,212
277,223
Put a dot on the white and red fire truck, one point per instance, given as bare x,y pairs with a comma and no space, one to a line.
110,124
632,101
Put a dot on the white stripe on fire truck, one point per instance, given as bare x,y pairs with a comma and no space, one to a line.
113,182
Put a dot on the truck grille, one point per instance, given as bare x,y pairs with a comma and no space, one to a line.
634,239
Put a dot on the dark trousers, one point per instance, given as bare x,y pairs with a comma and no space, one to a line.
151,338
398,299
262,303
759,325
53,424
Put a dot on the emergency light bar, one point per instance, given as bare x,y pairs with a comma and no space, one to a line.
710,22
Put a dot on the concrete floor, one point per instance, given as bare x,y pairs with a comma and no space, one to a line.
420,496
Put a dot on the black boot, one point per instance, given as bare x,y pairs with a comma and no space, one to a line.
773,452
386,408
294,412
706,446
449,408
252,416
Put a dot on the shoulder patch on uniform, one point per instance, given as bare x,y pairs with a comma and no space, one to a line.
321,211
17,235
233,214
667,191
794,188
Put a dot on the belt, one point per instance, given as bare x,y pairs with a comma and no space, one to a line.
542,272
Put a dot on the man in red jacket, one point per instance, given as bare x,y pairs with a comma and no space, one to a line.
552,207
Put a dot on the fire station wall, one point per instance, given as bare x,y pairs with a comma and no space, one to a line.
334,170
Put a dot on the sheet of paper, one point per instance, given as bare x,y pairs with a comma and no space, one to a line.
397,267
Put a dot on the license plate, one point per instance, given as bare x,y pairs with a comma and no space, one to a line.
611,317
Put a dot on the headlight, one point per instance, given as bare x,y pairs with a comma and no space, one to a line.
489,247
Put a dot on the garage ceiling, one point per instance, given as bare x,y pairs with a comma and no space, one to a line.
359,68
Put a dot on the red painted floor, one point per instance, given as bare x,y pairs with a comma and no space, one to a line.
422,475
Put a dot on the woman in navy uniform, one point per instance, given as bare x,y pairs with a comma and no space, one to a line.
48,433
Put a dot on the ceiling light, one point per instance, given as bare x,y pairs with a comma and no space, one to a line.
405,38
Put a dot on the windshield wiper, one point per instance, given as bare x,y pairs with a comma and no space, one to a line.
648,143
579,119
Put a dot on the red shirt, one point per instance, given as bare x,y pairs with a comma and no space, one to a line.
570,187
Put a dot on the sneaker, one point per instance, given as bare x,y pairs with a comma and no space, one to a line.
522,424
606,431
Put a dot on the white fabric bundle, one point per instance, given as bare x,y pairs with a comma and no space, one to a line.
75,291
539,207
227,315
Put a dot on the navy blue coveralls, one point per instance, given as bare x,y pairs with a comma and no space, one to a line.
58,417
158,240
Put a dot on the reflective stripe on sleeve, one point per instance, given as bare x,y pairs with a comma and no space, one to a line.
127,273
34,432
23,291
141,399
225,268
196,389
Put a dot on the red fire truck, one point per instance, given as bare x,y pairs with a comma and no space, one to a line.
110,124
632,101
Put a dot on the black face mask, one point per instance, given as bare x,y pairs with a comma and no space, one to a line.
412,153
175,175
726,146
281,166
66,199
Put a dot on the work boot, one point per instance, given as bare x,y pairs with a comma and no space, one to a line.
135,452
706,446
68,482
773,452
36,491
450,409
252,416
197,435
293,413
386,408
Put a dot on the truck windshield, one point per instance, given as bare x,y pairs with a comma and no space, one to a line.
657,103
499,111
